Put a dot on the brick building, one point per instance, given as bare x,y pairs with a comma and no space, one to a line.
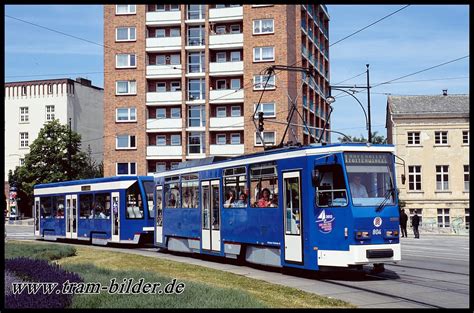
181,81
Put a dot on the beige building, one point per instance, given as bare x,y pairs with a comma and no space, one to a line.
182,81
431,134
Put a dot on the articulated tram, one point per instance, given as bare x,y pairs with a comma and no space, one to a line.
102,210
304,207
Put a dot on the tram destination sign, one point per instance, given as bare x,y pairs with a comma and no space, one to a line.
366,158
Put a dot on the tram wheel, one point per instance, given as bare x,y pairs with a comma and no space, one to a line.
378,268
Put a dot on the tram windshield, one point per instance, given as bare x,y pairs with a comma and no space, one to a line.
370,178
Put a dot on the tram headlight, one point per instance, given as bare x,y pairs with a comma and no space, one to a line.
362,235
391,233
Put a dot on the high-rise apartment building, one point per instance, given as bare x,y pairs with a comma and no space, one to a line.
182,81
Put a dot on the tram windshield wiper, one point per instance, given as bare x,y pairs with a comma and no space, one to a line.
388,194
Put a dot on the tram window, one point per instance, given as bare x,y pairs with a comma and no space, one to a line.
215,207
159,210
85,206
46,207
332,189
172,198
264,186
235,188
149,185
58,206
190,189
134,202
101,205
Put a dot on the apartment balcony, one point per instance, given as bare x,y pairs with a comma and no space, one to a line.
163,152
171,97
163,44
226,123
229,150
226,96
163,71
226,41
163,18
226,68
226,14
164,124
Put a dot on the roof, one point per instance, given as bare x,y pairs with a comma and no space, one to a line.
92,181
439,104
79,80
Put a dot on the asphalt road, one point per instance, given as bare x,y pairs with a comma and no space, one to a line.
433,273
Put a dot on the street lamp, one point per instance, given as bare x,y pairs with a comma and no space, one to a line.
330,99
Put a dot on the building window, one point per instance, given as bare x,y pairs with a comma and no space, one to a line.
175,86
465,137
161,140
160,113
268,137
174,165
125,34
263,26
221,139
466,218
235,111
196,12
235,84
160,87
419,212
221,84
196,143
175,112
235,139
441,137
22,161
221,57
23,140
260,80
442,178
263,54
49,112
127,168
466,177
220,30
126,142
50,88
125,61
196,89
268,109
23,90
125,9
443,218
235,29
126,115
175,59
126,87
160,33
196,36
235,56
24,116
196,62
221,112
196,116
413,138
160,167
414,177
176,140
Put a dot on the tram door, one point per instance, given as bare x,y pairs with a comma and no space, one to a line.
292,213
159,214
37,216
115,216
210,214
71,216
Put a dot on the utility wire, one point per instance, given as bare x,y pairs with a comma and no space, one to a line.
358,31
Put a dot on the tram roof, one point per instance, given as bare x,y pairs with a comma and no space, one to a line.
218,162
92,181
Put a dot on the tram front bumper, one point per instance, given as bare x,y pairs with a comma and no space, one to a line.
360,255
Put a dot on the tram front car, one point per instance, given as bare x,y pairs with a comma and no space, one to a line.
356,207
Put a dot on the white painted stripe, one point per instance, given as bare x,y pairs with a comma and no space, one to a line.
278,156
149,228
123,184
434,257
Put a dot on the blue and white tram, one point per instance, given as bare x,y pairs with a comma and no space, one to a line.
304,207
101,210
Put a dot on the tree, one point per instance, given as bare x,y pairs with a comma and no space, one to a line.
48,160
376,139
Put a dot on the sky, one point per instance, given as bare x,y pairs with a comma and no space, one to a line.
416,38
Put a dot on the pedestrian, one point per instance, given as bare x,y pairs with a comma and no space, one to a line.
415,222
403,223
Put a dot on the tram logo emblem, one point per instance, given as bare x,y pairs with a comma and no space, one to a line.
325,221
378,221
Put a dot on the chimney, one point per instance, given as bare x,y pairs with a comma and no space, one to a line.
83,81
445,92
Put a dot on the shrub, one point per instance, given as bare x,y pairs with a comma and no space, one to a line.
35,270
38,251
